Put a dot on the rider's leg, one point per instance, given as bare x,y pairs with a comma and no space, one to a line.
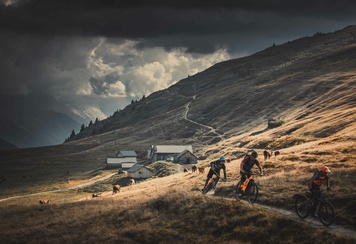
208,177
315,189
243,178
216,182
206,182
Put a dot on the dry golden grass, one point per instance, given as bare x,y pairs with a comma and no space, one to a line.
171,209
162,210
319,127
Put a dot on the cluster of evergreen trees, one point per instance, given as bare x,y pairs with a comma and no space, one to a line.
91,124
82,128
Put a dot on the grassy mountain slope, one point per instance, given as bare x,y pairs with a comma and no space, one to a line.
234,96
308,84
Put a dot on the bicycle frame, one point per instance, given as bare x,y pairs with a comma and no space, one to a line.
212,182
245,183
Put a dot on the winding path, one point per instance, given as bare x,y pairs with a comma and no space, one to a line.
313,223
59,190
185,116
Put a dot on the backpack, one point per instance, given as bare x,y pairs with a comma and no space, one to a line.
315,173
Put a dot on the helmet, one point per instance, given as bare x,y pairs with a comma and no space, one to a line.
325,169
222,158
254,154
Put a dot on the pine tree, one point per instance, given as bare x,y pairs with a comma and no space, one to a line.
82,128
72,134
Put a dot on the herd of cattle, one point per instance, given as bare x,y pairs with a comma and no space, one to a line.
116,188
268,155
200,170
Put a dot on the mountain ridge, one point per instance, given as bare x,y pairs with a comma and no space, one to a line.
235,95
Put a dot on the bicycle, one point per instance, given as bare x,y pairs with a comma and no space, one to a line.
324,210
212,183
248,189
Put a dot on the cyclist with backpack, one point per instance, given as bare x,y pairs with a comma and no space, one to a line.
246,165
215,168
315,183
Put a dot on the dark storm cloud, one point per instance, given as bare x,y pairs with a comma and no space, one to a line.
140,19
199,26
101,86
130,48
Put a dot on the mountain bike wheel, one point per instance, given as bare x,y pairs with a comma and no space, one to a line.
301,206
252,192
238,192
326,213
208,188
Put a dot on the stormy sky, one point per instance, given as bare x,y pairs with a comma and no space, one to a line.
97,56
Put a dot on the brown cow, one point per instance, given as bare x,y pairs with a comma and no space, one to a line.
132,181
116,189
45,201
194,169
266,154
276,153
201,170
95,195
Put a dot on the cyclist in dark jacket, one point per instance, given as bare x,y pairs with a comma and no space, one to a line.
216,166
315,183
246,165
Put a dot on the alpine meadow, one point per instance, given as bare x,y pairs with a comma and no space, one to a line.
298,98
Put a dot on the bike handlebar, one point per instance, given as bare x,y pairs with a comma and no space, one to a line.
216,173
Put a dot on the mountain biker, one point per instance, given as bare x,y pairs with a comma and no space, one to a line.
315,183
215,168
246,165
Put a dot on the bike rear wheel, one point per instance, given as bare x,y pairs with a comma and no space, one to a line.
326,213
252,192
238,192
301,206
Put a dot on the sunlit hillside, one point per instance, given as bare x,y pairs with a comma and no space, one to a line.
306,87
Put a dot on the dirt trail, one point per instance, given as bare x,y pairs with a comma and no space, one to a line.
187,106
312,222
64,189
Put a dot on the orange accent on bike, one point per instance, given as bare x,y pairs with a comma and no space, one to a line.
245,184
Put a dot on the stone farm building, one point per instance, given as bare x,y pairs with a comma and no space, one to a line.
138,171
177,153
124,160
186,157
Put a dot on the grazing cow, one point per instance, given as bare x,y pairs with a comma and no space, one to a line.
276,153
266,154
201,170
132,181
116,189
185,170
95,195
194,169
44,201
